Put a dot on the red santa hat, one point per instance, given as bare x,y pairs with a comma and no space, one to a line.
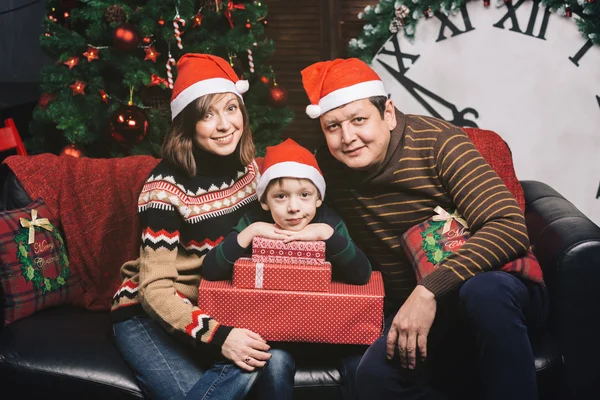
202,74
290,160
330,84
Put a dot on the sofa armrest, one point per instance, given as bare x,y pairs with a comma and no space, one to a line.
12,194
567,245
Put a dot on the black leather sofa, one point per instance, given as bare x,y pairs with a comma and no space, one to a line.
68,353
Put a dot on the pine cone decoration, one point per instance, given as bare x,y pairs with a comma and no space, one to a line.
115,14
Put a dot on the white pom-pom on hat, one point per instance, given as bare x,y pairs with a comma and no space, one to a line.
242,86
313,111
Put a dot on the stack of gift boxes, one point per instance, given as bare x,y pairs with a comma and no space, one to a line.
285,293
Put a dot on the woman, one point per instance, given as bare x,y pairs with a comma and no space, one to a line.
195,195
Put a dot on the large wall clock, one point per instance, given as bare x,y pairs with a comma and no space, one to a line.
517,69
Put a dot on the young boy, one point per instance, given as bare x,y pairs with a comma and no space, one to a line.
291,192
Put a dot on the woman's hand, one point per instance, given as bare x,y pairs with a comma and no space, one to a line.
246,349
318,231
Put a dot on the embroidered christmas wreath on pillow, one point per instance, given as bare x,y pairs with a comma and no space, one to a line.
431,241
34,267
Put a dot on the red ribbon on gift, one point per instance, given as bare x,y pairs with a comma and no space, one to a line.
231,7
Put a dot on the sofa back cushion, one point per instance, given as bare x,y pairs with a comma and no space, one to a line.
94,201
497,153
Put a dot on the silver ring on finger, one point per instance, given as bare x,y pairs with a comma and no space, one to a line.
247,360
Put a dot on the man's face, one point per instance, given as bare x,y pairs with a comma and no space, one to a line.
356,133
293,203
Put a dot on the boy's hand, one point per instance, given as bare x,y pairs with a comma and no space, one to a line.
263,229
310,232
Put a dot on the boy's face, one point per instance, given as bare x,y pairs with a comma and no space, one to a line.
293,203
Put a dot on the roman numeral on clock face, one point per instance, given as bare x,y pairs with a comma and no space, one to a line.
400,56
446,23
575,59
511,13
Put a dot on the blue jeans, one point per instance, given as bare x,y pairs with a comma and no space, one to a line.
479,345
168,369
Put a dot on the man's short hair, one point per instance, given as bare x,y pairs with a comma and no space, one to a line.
379,103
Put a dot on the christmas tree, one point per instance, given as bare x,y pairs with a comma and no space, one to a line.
108,93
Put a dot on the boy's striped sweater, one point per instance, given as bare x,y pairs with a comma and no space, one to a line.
182,218
428,163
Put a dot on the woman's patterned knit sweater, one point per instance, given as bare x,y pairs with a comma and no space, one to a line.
182,218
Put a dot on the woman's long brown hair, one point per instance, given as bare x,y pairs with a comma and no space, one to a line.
178,145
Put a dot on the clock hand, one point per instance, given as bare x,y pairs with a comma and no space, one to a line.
458,117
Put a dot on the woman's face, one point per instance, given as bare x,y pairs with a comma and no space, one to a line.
220,129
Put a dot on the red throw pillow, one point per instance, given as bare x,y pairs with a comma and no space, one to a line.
431,241
497,154
34,267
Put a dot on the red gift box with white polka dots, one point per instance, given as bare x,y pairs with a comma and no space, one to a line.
301,252
345,314
308,278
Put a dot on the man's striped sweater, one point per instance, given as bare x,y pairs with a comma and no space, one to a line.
182,218
428,163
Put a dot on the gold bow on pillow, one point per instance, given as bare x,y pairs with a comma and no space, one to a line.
42,223
443,215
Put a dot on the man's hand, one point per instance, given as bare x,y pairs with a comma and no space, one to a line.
411,326
317,231
246,349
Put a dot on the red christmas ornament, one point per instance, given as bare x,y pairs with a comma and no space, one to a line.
126,37
71,62
151,53
128,125
147,40
45,99
157,80
72,150
486,3
161,22
103,96
265,22
265,80
568,11
278,96
78,88
248,24
197,20
91,54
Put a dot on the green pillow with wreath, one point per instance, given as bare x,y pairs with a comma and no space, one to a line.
34,267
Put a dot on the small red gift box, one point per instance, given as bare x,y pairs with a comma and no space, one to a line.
297,252
431,241
309,278
345,314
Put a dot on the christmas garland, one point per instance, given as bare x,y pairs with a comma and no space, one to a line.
391,16
32,274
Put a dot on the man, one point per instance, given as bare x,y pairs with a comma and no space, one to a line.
386,172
